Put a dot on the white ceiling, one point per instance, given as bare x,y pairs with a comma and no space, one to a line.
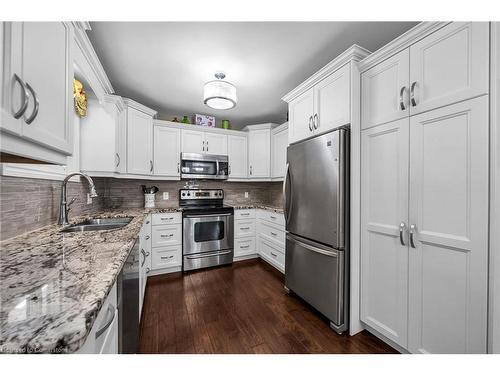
164,65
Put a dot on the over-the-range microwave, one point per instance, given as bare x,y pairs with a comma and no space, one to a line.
204,166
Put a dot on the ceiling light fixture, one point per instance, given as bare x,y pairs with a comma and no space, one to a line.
219,94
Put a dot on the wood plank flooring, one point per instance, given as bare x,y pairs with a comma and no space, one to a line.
241,308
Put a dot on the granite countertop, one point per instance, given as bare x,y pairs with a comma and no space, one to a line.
278,210
52,284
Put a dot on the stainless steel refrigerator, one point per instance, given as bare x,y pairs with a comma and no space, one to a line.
317,222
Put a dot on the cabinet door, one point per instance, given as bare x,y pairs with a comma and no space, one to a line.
450,65
47,67
449,206
300,113
384,205
332,101
259,153
215,144
140,142
385,90
121,142
167,151
238,156
279,146
193,141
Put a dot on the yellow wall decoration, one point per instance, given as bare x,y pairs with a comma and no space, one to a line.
80,98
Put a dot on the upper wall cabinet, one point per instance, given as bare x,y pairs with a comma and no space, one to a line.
37,90
139,138
237,146
201,142
448,66
167,151
259,151
279,144
323,101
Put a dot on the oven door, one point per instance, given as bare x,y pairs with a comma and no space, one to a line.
206,233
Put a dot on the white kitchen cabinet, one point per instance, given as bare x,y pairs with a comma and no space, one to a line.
279,144
449,65
244,233
259,153
200,142
145,259
448,274
237,147
37,88
385,90
166,242
332,101
300,113
167,151
139,139
384,207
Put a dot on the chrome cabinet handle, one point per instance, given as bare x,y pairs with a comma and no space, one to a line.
229,169
245,214
25,96
244,246
250,170
413,228
166,218
147,254
147,237
147,270
100,331
244,228
401,98
274,234
144,255
147,222
412,94
151,166
274,254
169,257
402,227
310,123
166,235
272,217
207,146
315,121
178,167
30,119
118,159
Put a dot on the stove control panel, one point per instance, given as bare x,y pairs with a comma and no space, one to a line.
188,194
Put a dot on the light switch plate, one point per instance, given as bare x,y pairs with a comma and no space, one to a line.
246,194
166,196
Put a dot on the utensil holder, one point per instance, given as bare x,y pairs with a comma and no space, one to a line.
149,200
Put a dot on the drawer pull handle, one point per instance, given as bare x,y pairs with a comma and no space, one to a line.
274,254
166,218
272,217
244,228
244,247
169,257
147,237
245,214
111,311
274,234
147,270
166,235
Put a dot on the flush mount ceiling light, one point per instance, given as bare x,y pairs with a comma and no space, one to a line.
219,94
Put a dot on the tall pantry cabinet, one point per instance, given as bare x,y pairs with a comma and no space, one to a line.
424,192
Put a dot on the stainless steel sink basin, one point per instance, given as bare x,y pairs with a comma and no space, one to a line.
98,224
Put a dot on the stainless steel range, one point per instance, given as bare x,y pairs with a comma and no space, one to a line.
208,238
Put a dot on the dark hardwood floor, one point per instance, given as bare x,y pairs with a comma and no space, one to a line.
242,308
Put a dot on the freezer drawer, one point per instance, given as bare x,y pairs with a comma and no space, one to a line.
316,274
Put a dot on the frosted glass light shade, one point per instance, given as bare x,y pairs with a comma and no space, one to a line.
219,94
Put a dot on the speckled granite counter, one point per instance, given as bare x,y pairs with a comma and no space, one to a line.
53,284
278,210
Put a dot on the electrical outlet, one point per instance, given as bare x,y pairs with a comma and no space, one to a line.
246,194
166,196
89,199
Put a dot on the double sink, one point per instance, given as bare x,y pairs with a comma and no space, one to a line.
97,224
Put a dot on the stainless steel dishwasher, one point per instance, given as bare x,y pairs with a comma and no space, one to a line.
128,303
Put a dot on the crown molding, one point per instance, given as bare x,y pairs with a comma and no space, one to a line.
83,42
354,53
140,107
115,100
403,41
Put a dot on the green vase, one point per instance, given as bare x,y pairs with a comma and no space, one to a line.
226,124
185,120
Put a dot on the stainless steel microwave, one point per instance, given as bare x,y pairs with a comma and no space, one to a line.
203,166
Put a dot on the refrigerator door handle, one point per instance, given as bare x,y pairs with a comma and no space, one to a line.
312,248
285,181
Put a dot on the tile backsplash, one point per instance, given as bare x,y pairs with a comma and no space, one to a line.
27,204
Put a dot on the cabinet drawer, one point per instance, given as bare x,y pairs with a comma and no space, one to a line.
167,218
271,216
166,235
271,231
164,257
272,254
244,228
244,214
244,246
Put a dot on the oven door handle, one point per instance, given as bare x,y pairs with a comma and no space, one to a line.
208,255
206,215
